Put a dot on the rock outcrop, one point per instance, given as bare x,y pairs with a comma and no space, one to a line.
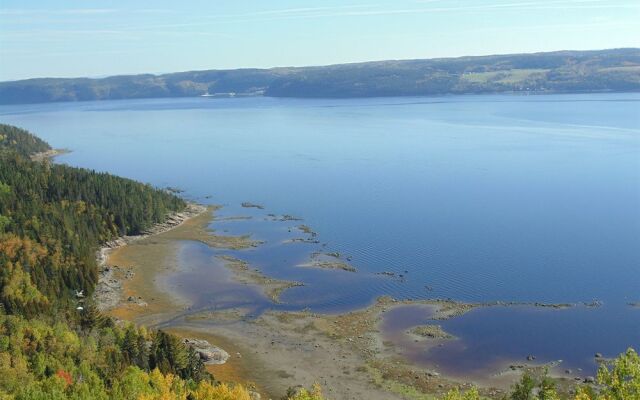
208,353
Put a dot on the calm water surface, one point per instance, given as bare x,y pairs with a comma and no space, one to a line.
480,198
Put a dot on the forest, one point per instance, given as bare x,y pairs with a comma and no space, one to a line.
18,140
54,217
612,70
52,220
55,344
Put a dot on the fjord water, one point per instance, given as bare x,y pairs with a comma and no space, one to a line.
477,198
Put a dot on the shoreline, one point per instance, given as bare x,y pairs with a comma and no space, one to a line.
136,268
346,352
108,293
49,154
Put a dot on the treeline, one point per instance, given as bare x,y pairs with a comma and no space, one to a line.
20,141
553,72
52,220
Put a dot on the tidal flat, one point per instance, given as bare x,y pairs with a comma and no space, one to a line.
185,281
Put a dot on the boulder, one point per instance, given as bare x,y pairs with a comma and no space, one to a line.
208,353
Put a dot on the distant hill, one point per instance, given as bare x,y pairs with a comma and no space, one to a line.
556,72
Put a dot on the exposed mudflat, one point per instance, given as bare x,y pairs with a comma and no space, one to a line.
109,290
244,274
350,354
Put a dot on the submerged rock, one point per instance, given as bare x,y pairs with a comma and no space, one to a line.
430,331
247,204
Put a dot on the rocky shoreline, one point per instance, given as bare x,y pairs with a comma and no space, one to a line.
348,353
49,154
109,290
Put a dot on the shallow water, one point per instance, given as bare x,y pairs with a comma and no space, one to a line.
568,338
478,198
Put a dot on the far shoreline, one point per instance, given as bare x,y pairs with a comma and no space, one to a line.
417,96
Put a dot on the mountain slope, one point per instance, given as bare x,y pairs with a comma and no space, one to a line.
555,72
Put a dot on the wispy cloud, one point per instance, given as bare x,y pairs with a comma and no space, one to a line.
152,11
427,7
519,28
305,10
511,6
30,54
70,11
80,11
556,27
201,24
63,35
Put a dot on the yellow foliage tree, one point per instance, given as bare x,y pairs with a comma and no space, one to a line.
207,391
165,387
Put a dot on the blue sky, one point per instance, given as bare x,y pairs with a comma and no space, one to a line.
64,38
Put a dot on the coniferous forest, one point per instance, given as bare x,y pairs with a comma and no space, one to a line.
52,220
14,139
54,217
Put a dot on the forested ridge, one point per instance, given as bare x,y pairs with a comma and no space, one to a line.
54,217
20,141
612,70
55,345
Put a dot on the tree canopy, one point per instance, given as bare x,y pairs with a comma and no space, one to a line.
54,217
20,141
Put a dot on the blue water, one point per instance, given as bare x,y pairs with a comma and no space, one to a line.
481,198
489,339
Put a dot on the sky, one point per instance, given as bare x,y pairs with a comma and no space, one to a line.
73,38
